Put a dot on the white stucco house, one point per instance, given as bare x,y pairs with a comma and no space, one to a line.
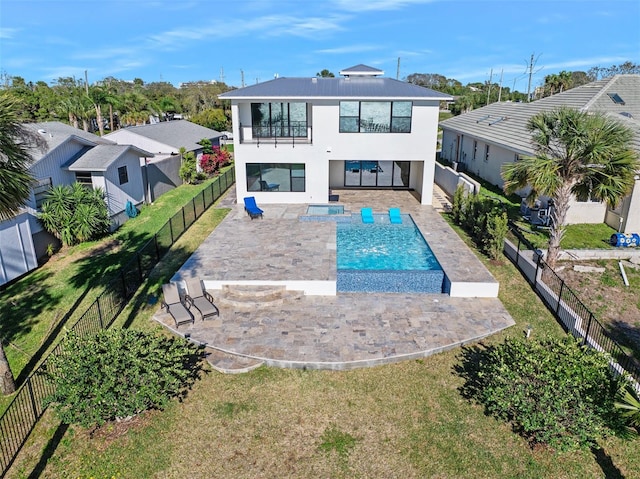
483,140
69,155
297,138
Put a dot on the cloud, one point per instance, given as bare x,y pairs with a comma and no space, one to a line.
105,54
375,5
8,33
265,26
348,49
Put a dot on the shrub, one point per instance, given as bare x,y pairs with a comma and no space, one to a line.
118,373
629,405
457,205
553,391
188,171
496,231
73,213
211,163
483,218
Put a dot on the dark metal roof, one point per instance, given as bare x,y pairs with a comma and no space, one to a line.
337,88
361,70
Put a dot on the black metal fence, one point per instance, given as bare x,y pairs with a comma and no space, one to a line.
569,310
26,408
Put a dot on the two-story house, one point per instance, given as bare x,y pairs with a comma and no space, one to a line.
69,155
295,139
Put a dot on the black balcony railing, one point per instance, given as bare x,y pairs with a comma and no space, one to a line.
291,132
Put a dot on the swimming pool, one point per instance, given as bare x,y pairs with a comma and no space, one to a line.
325,210
385,257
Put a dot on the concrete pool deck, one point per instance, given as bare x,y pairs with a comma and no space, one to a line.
258,270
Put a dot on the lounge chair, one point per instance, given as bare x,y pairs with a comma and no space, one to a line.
394,216
264,186
251,207
201,300
178,308
367,215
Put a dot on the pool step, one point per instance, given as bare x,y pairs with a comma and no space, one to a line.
252,297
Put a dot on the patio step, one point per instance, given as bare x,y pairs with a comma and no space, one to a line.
231,363
249,296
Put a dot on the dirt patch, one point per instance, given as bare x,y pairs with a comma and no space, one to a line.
103,436
615,305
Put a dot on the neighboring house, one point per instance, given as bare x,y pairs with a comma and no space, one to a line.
483,140
70,155
165,139
297,138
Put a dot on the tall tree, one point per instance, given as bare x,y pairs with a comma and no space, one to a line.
587,155
325,74
15,187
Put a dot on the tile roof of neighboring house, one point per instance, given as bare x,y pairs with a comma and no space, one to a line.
355,87
100,157
176,133
55,133
505,123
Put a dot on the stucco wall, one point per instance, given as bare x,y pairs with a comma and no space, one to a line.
162,176
331,146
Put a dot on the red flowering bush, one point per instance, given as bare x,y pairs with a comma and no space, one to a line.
211,163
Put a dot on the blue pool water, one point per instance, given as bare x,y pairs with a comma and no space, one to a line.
325,210
384,257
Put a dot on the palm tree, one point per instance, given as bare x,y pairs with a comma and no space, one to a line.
587,155
15,187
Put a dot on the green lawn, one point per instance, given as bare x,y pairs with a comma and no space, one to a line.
579,236
38,306
406,420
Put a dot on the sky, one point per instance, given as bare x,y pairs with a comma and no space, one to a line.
254,40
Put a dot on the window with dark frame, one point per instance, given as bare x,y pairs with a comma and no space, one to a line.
276,177
123,176
40,190
375,116
84,178
617,99
279,120
486,152
475,149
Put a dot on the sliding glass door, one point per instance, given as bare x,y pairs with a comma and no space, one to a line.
391,174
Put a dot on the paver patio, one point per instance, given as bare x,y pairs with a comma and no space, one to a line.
263,322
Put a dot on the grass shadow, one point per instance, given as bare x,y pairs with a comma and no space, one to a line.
48,451
606,463
48,341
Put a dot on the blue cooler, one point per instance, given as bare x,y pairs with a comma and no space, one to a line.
625,239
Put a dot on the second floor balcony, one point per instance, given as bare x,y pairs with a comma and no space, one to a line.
277,133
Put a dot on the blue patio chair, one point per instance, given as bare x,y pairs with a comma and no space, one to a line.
394,216
251,207
367,215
